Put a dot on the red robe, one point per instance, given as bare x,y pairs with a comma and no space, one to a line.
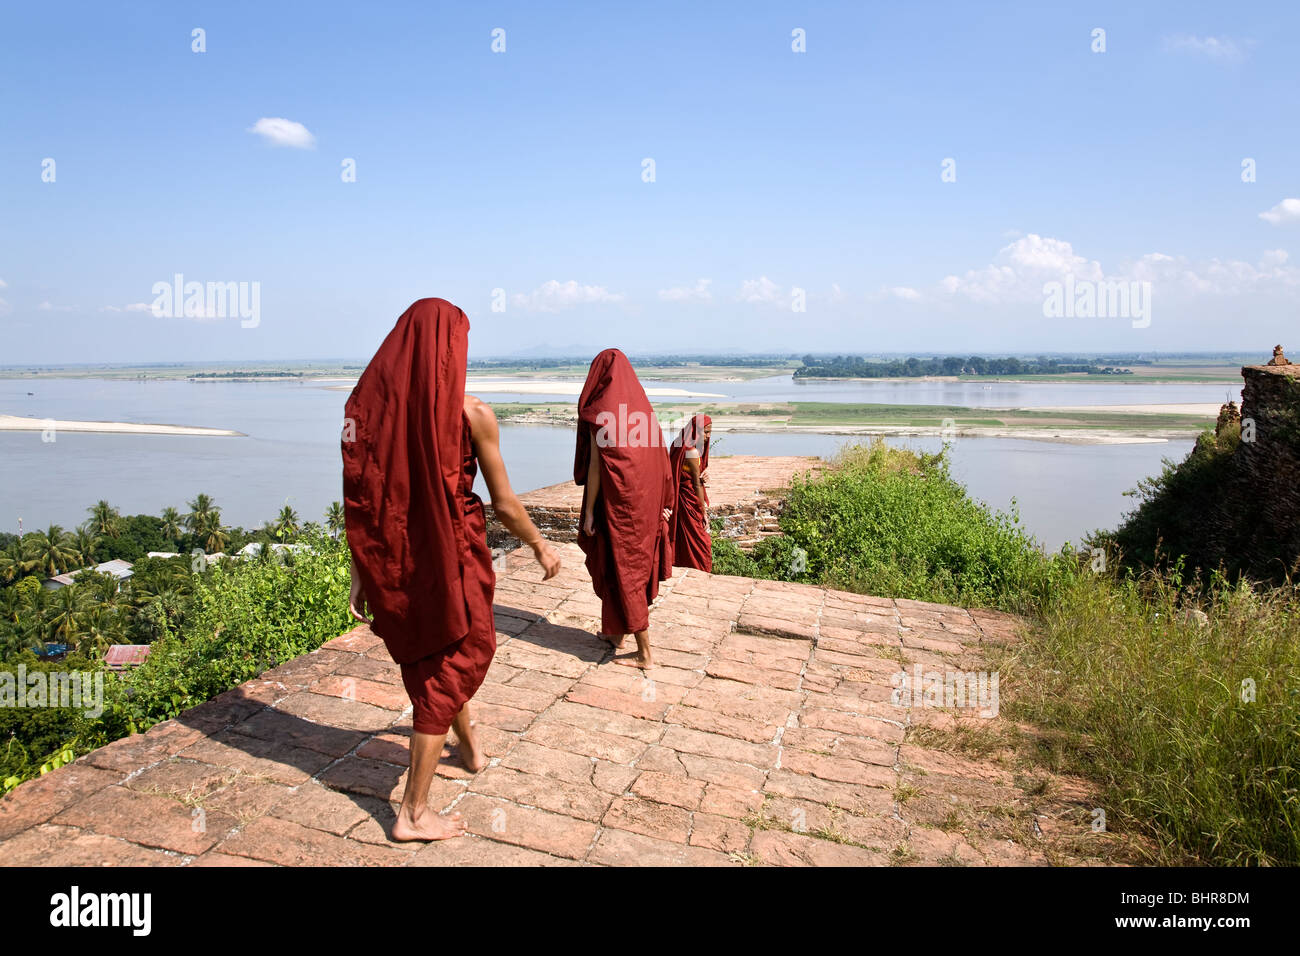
631,551
692,543
414,525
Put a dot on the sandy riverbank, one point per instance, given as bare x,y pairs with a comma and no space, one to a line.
486,386
17,423
1208,409
1065,436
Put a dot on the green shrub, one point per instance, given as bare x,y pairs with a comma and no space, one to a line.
889,522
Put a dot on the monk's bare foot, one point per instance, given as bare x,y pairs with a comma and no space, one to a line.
428,826
615,639
635,660
472,758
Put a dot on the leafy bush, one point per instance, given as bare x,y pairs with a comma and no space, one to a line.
239,621
889,522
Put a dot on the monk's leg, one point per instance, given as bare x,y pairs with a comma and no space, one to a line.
471,754
642,656
611,624
415,821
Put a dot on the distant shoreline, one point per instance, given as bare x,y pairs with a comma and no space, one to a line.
18,423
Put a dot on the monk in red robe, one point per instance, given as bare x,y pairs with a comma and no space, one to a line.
689,455
622,462
412,444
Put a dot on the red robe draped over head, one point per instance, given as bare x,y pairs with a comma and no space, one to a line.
692,543
414,526
631,551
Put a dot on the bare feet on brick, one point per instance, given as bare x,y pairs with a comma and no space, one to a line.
641,658
427,826
472,757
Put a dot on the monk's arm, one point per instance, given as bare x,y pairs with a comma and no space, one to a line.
509,509
593,489
356,597
693,466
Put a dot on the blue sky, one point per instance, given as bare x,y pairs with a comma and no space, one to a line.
522,171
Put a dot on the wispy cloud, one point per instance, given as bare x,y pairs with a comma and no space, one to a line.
554,296
762,291
282,132
133,307
48,306
1020,269
1215,48
1288,210
697,293
4,306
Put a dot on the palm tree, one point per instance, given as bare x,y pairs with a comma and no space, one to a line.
52,550
201,509
171,524
103,627
68,608
15,561
86,539
286,524
334,519
104,518
212,532
10,605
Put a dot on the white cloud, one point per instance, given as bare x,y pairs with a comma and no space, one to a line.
1288,210
761,291
1218,276
3,284
699,293
1216,48
282,132
553,296
1019,270
133,307
47,306
907,293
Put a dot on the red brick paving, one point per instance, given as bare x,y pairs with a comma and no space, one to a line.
766,734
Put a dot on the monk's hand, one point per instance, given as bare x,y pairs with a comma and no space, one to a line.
356,601
668,514
548,559
589,523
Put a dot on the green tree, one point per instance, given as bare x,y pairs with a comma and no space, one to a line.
286,523
201,509
334,518
86,539
104,519
16,561
53,550
172,523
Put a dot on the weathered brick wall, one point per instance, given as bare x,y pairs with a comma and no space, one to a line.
746,491
1266,491
747,522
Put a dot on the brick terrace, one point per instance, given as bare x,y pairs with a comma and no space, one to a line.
765,734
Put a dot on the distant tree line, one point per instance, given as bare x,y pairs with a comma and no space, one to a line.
855,366
654,361
247,375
